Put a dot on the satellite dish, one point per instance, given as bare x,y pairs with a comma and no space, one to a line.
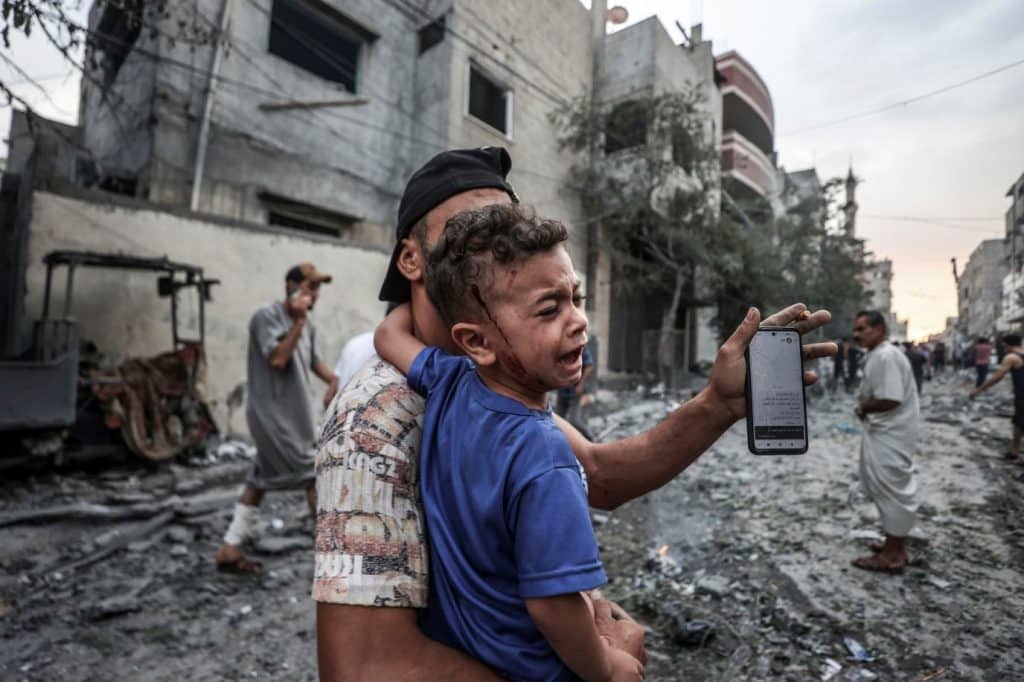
618,15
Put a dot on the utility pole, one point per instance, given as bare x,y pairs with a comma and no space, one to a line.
598,19
204,126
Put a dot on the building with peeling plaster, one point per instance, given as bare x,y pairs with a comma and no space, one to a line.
301,120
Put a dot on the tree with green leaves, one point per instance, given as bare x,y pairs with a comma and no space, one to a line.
648,172
654,188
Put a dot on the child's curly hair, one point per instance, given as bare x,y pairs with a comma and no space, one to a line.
461,264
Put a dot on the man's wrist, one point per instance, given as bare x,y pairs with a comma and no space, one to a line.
715,409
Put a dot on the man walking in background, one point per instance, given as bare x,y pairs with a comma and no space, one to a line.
917,363
888,408
1013,364
282,351
982,358
852,365
839,365
939,357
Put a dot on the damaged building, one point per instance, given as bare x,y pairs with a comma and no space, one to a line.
246,135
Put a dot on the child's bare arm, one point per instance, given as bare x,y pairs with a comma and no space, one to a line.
567,622
394,339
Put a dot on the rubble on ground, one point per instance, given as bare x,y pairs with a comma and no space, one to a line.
740,568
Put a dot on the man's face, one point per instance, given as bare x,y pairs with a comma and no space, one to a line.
536,325
312,289
864,334
305,288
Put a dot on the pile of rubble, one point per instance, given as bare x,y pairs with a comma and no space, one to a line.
740,568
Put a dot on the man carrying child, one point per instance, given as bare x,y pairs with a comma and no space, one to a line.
512,547
371,573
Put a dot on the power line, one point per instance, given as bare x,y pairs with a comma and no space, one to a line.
555,98
243,85
930,218
240,84
930,221
903,103
41,79
298,34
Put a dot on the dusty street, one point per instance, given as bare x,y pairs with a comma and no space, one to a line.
761,547
118,581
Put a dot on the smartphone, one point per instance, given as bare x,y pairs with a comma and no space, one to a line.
776,402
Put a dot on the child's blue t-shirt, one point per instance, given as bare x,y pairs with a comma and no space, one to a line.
506,517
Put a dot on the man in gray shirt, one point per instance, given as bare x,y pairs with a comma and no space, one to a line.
282,351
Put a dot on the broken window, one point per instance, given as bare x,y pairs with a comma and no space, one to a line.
432,34
684,151
315,37
119,184
297,215
489,101
114,36
625,127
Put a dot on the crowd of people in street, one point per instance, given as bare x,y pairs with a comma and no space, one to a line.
438,432
927,360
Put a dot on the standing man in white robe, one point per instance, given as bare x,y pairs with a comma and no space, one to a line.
888,409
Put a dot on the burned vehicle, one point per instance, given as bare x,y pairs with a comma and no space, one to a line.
55,397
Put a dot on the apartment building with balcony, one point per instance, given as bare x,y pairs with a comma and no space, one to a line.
748,132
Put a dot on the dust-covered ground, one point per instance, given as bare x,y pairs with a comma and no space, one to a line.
117,581
760,547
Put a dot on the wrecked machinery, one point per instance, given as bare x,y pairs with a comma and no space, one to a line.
55,397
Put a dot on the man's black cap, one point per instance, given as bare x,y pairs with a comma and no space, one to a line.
447,174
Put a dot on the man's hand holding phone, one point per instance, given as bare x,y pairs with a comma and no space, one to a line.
727,383
299,303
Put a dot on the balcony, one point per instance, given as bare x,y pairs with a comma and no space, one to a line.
746,168
746,103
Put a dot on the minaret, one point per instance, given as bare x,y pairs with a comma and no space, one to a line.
850,207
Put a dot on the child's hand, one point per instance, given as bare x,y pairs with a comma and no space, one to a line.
617,628
394,339
625,668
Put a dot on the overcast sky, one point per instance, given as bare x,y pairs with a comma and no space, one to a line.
953,155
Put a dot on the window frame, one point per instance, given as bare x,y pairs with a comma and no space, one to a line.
508,95
301,216
632,128
338,24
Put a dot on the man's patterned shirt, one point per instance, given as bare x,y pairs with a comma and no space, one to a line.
370,546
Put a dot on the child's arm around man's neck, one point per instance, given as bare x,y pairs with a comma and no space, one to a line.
394,339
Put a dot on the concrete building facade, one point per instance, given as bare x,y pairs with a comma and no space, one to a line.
1012,317
309,115
878,287
312,114
643,61
878,296
980,289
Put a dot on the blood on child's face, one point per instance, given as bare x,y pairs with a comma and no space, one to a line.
538,328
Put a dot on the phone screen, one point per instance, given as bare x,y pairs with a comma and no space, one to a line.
777,416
